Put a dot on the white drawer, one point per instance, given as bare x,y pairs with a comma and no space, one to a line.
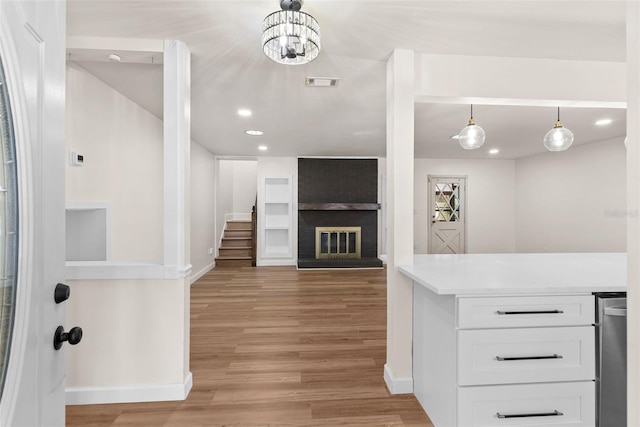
514,312
566,404
509,356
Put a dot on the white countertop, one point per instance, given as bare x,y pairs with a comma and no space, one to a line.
488,274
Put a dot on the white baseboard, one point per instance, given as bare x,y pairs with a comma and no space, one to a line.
129,394
202,272
275,262
397,385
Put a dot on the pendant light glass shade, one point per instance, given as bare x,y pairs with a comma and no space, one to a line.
559,138
472,136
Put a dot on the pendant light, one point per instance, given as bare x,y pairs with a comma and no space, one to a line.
290,36
472,136
559,138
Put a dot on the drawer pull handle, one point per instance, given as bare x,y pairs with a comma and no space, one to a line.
555,413
500,312
502,359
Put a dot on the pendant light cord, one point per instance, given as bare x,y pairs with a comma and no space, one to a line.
558,113
472,112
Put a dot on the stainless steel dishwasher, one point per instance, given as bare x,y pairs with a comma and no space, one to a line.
611,359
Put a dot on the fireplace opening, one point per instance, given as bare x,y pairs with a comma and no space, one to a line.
338,242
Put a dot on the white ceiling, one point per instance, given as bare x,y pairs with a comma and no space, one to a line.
229,70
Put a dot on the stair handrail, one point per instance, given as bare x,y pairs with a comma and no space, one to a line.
254,234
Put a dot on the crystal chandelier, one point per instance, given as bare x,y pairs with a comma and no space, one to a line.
559,138
290,36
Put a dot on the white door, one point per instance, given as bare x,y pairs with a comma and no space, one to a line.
32,178
447,225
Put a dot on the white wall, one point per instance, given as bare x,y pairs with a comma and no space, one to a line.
135,343
224,195
245,185
491,210
278,167
123,157
203,235
573,201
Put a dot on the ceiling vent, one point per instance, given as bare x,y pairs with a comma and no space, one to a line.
321,81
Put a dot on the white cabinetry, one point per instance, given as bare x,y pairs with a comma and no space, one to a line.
277,220
504,360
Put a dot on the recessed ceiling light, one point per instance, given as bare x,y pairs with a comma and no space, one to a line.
262,147
254,132
494,151
114,57
456,136
603,122
244,112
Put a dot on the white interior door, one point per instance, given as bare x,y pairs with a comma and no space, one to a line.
32,180
447,227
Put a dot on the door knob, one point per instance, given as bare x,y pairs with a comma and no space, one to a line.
61,293
74,336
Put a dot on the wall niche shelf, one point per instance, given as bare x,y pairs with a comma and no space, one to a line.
87,231
277,233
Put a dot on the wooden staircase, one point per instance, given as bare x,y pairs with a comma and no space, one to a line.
235,249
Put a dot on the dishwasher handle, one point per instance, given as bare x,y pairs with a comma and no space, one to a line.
615,311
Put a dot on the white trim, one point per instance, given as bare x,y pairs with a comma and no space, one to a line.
205,270
397,385
87,205
27,268
186,271
129,394
99,270
275,262
115,43
122,270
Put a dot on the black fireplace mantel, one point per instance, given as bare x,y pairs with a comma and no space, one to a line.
338,206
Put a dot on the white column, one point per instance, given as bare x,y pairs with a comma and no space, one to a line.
633,206
400,160
177,155
177,142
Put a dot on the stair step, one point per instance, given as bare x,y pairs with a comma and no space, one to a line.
239,243
234,248
238,225
229,258
235,252
237,233
233,262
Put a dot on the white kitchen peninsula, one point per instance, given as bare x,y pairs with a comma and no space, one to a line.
508,339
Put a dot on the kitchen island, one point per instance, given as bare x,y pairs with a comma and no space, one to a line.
508,339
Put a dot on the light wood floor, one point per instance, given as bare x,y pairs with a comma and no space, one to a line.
273,346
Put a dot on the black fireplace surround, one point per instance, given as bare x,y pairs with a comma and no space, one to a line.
340,193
